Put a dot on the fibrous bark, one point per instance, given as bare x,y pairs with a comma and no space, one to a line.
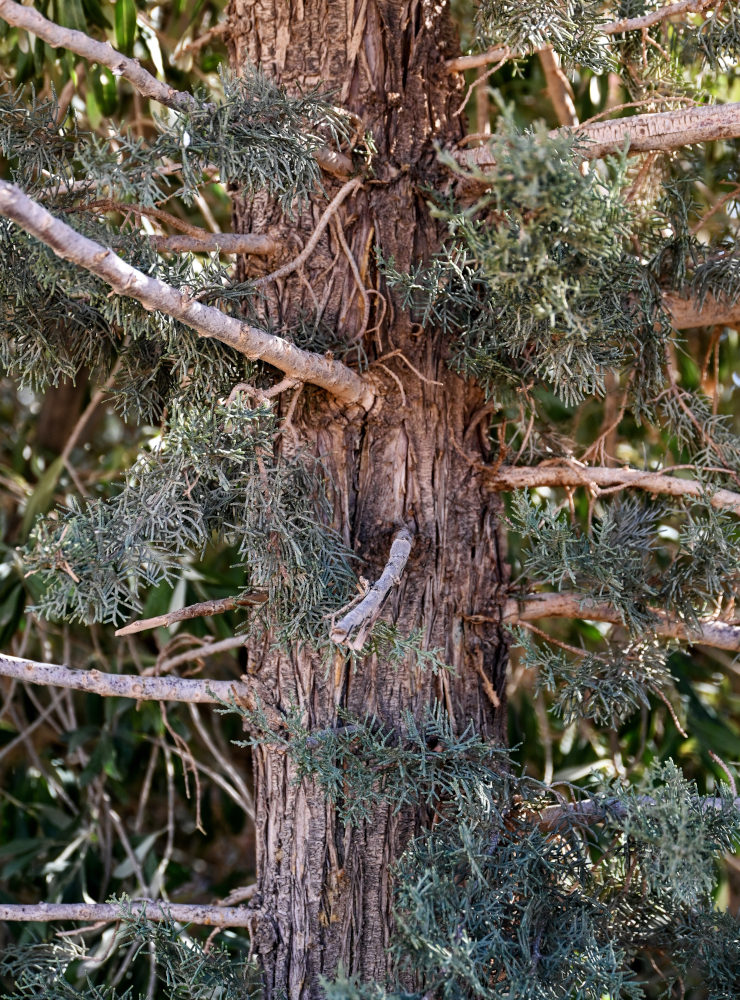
324,888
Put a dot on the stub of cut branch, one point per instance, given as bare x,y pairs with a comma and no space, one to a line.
305,366
181,913
353,629
709,632
509,477
203,609
180,689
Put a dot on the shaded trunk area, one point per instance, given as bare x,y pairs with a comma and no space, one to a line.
325,892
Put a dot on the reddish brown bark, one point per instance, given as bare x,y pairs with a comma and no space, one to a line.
325,892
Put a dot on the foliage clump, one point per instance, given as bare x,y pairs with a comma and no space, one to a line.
534,283
212,476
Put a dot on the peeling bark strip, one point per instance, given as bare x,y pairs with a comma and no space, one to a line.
99,52
365,614
509,477
718,634
207,916
256,344
664,130
182,689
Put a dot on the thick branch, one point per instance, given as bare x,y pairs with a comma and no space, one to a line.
67,243
720,635
189,690
99,52
590,811
363,616
499,52
202,610
688,313
570,474
559,88
664,130
190,913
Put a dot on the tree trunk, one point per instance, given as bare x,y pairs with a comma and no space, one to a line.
325,892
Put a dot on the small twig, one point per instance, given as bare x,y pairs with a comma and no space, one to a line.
202,610
361,618
197,43
476,83
332,208
396,379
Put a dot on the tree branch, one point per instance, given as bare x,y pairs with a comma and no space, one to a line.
202,610
364,615
665,130
498,52
67,243
688,313
221,242
134,686
99,52
190,913
720,635
141,80
509,477
559,88
590,811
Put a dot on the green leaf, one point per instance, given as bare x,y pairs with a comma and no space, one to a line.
126,867
125,16
43,494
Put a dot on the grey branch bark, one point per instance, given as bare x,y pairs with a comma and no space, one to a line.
720,635
352,630
209,916
665,130
178,689
592,811
67,243
499,52
688,313
99,52
509,477
141,80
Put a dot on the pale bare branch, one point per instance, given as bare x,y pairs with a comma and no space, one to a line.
99,52
178,689
508,477
590,811
201,610
665,130
688,313
352,630
207,321
709,632
460,63
656,16
185,913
